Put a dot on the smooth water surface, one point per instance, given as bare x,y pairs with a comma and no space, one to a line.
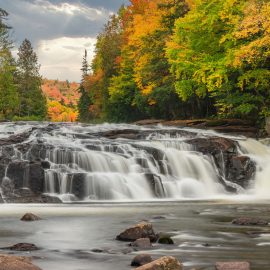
202,232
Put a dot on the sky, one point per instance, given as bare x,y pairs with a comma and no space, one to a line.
59,30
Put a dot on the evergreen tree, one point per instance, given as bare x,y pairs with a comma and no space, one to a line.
8,91
32,100
9,100
85,100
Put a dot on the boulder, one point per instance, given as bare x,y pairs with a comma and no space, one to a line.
247,221
142,243
23,247
30,217
164,263
240,170
141,259
8,262
141,230
232,266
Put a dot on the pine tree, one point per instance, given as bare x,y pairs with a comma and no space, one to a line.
85,100
8,91
32,101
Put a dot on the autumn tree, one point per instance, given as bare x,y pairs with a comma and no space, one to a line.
32,101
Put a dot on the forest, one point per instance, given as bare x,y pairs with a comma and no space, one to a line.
161,59
170,59
21,97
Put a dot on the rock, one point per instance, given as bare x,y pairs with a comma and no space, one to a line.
165,239
141,230
142,243
30,217
164,263
232,266
267,125
241,169
246,221
141,259
8,262
23,247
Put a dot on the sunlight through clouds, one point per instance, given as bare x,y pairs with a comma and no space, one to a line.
63,56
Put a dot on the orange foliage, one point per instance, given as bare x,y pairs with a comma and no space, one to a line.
62,100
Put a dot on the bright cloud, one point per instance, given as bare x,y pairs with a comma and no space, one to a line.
62,57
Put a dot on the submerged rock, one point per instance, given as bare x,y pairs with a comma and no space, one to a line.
30,217
232,266
142,243
141,230
246,221
8,262
141,259
165,239
23,247
164,263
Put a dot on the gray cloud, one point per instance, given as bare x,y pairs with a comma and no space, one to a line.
48,20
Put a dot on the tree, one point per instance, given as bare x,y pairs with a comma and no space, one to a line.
84,101
8,92
32,100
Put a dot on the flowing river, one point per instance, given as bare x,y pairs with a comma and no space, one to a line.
109,177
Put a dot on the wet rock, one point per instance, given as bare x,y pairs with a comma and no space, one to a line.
232,266
36,177
142,243
141,230
238,170
45,164
25,174
24,247
247,221
97,250
165,239
78,185
141,259
8,262
241,169
30,217
164,263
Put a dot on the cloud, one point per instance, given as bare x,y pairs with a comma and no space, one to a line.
67,56
59,30
42,19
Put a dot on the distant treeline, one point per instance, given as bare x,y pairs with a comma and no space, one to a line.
180,59
21,97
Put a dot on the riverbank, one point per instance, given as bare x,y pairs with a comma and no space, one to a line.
229,126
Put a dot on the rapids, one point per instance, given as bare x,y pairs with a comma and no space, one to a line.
111,162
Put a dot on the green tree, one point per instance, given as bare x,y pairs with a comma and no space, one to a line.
9,100
32,100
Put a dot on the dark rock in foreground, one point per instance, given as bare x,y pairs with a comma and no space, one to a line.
246,221
141,259
8,262
30,217
232,266
164,263
141,230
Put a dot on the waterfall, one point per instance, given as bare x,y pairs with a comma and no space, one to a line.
122,162
261,154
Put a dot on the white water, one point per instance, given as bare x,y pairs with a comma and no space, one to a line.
87,167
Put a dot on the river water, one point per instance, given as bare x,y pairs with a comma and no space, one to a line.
202,232
104,184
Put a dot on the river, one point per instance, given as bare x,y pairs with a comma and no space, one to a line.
110,177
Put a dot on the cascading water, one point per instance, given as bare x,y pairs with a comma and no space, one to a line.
127,162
